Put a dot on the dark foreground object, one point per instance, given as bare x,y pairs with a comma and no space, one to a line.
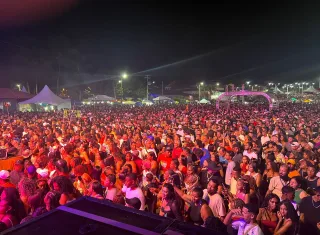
91,216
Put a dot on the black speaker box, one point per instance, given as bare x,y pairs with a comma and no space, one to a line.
94,217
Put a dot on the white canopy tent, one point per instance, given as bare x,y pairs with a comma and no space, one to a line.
204,101
45,96
162,98
101,98
311,89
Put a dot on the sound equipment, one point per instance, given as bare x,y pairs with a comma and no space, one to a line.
94,217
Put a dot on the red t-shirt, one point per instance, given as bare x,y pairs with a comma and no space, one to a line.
164,162
176,153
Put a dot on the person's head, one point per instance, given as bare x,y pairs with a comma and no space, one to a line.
236,172
167,191
31,171
296,182
191,169
95,188
291,164
253,167
283,171
18,166
249,212
237,204
316,197
287,210
271,202
133,203
62,184
212,186
245,159
27,187
243,186
287,193
51,200
228,155
131,180
311,171
62,166
4,176
197,195
174,164
110,181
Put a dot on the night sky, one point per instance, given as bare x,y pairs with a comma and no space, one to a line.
99,39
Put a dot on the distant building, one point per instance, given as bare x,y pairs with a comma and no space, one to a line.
12,97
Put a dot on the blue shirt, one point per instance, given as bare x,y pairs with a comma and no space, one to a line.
205,156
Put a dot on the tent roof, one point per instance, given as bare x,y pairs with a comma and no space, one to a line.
204,101
102,98
7,93
45,96
311,89
162,98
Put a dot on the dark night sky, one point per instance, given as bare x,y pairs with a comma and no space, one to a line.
257,42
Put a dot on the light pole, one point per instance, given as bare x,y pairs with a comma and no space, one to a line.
147,77
19,86
123,76
200,84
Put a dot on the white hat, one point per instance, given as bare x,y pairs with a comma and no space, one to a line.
187,136
295,144
196,122
43,172
4,174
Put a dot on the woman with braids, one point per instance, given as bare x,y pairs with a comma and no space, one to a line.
64,186
267,217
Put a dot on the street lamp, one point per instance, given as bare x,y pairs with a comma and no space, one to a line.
123,76
218,83
200,84
19,86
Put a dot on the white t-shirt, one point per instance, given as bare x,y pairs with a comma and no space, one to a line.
248,229
111,193
264,139
137,192
216,204
251,155
229,170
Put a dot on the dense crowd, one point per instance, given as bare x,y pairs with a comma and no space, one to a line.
242,170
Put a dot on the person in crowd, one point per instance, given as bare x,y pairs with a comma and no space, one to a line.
277,182
287,219
169,205
296,183
248,223
310,213
199,210
131,189
267,217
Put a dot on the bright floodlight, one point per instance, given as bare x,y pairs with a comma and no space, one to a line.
120,81
248,83
124,75
218,84
201,83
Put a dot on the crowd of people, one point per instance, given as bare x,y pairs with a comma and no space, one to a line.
242,170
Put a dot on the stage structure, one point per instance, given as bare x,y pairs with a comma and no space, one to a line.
228,95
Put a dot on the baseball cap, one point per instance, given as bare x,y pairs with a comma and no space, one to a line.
43,172
31,169
291,161
4,174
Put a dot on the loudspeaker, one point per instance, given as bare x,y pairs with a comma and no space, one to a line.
92,216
